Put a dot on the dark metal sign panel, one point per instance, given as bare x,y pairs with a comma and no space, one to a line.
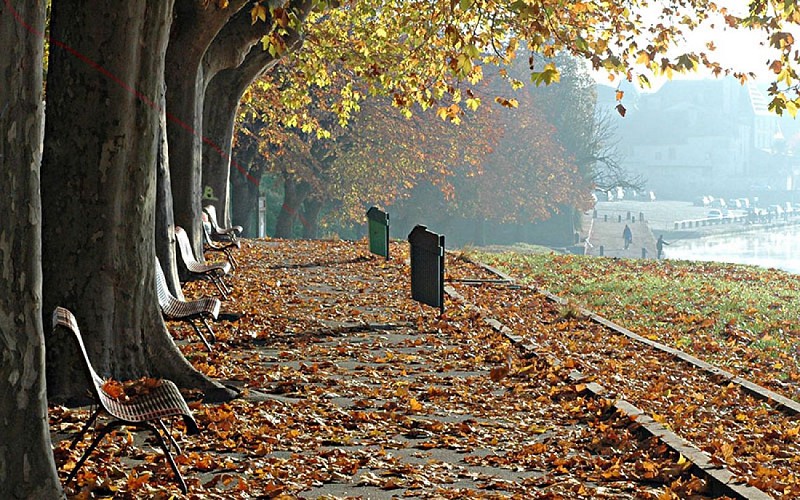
427,266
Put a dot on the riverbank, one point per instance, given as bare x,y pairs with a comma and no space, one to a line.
601,233
683,220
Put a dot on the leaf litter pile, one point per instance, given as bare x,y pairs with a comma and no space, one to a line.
350,389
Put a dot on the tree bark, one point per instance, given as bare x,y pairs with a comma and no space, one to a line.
27,468
165,216
245,186
229,70
99,187
194,28
311,210
293,195
204,41
222,95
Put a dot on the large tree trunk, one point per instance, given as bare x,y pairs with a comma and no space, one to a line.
244,202
229,72
165,218
99,186
311,209
194,28
204,41
222,96
294,193
27,468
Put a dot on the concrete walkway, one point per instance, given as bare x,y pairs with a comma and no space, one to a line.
603,237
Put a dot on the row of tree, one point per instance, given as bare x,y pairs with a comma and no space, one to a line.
513,160
141,98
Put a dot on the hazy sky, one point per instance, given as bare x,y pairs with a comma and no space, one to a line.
743,50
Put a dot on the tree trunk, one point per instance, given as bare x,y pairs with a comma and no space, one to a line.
244,202
165,217
222,96
205,40
311,210
293,195
99,186
27,468
229,71
194,28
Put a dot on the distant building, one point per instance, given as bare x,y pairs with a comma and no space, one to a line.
697,137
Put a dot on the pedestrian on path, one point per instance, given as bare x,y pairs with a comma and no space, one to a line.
627,236
660,246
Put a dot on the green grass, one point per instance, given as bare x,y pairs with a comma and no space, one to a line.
743,316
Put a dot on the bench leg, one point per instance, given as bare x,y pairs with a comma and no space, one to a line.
231,258
100,435
211,333
168,454
172,441
221,288
221,278
200,334
85,428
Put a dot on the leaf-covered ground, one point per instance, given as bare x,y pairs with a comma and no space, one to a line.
352,390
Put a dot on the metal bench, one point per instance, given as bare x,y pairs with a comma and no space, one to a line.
144,411
219,233
197,270
188,311
219,246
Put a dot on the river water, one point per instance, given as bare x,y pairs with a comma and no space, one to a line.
777,248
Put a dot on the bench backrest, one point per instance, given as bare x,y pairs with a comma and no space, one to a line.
211,212
64,318
165,297
185,246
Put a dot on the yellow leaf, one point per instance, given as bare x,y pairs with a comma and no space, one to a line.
727,453
473,103
259,12
791,107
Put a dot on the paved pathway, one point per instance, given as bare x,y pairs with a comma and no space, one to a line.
603,236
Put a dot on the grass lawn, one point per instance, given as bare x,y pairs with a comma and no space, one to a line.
742,318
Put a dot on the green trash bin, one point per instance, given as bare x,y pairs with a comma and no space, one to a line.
378,221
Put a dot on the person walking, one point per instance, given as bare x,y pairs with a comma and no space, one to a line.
627,236
660,246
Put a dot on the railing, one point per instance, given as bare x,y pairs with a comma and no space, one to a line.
614,214
710,221
765,218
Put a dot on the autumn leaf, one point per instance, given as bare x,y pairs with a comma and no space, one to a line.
499,373
137,481
113,388
258,13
